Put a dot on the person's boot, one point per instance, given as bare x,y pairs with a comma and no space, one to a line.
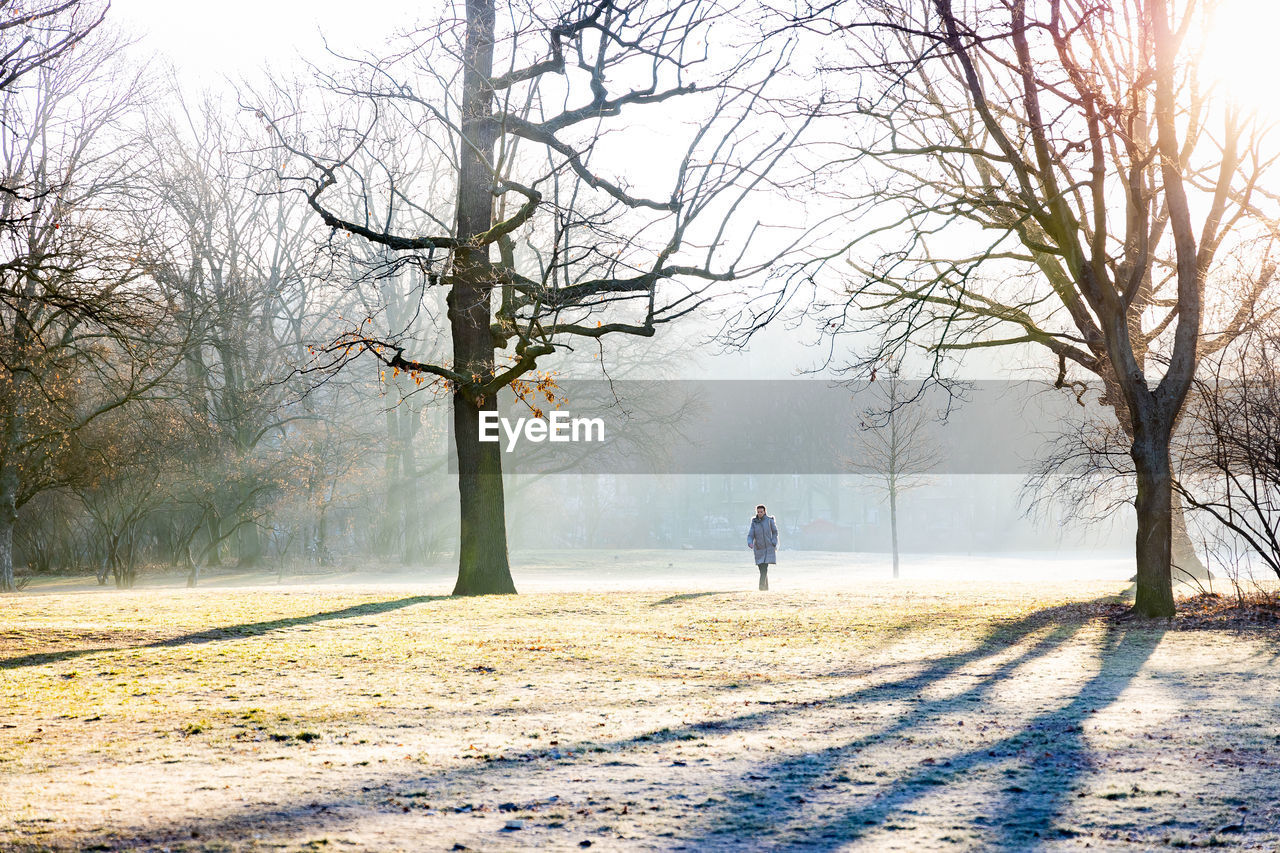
764,579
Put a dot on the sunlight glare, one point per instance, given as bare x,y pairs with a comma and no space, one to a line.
1239,57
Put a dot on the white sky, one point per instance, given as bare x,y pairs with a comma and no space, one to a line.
235,38
1241,52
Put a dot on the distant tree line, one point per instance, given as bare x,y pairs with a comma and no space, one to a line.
158,299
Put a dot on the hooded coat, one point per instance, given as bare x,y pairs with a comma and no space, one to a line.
762,536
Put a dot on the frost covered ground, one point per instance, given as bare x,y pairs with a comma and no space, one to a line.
839,711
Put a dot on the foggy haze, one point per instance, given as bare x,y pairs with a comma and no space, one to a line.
296,457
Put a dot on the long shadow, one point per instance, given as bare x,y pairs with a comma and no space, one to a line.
1024,819
1063,623
229,632
1023,816
1239,765
688,596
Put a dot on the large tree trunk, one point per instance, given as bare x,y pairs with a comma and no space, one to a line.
392,522
412,518
482,546
8,517
1186,562
1155,527
403,524
249,544
322,536
213,524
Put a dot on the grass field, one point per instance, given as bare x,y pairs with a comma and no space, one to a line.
916,716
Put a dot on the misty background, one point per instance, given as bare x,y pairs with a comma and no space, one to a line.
241,455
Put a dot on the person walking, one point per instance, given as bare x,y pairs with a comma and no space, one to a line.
762,539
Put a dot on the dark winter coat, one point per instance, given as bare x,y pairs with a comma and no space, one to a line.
762,536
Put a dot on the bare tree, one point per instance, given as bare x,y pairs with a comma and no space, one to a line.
81,333
546,240
121,475
35,34
1230,447
894,444
232,262
1053,175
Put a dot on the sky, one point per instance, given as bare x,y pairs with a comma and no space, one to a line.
207,43
1241,52
237,37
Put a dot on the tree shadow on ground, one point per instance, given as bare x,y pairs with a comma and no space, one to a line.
689,596
1047,751
777,786
229,632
